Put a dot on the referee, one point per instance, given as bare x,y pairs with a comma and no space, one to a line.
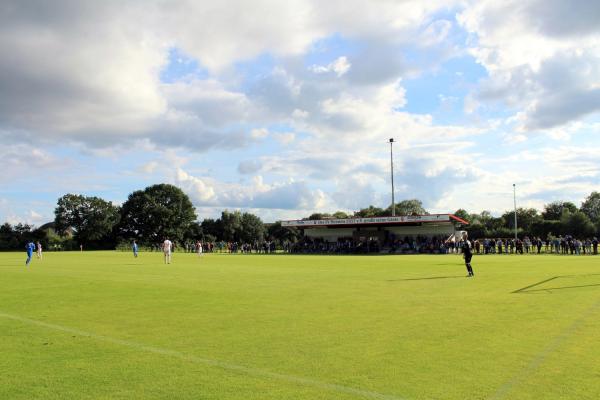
467,250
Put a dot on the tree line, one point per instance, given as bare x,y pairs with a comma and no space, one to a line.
147,216
558,218
163,210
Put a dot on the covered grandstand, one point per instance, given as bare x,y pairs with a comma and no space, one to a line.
410,233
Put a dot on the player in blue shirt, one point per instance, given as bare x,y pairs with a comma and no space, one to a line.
30,248
134,247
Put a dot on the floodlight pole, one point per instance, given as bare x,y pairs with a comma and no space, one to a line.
515,202
392,170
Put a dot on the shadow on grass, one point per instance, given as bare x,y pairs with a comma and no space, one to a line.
562,287
529,289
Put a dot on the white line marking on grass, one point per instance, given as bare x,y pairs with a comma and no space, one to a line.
206,361
539,359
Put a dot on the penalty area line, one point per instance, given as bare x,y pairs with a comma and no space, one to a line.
206,361
536,362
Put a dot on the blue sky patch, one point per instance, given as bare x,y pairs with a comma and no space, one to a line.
180,66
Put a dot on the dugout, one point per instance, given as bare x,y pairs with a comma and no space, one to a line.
380,229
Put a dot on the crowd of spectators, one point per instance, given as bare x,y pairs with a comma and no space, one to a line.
556,245
417,245
341,246
265,247
222,247
439,245
406,245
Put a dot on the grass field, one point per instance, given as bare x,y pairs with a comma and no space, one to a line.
103,325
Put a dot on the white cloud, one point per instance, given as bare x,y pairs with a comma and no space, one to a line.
436,32
103,87
89,73
261,133
340,66
200,191
249,167
24,162
24,215
94,85
514,138
374,115
149,167
543,58
207,100
35,217
297,113
292,195
285,138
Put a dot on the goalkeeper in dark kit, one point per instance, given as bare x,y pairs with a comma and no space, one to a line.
467,251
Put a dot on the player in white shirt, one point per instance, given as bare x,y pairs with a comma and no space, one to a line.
39,250
199,248
167,247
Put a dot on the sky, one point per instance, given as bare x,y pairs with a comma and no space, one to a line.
283,109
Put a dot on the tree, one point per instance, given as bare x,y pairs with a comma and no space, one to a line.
283,234
370,212
525,218
504,232
15,237
213,228
591,207
231,225
578,224
339,215
318,216
546,228
476,230
554,211
235,227
8,238
194,232
485,224
462,214
252,229
156,212
484,217
92,218
408,207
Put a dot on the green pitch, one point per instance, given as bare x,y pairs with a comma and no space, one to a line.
103,325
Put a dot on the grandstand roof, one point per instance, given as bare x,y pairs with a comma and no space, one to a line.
376,221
